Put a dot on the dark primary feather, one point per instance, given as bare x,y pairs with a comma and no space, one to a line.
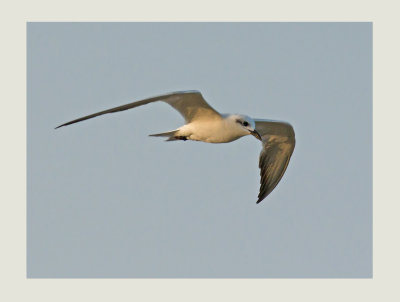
278,145
190,104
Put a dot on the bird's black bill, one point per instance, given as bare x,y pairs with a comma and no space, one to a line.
256,134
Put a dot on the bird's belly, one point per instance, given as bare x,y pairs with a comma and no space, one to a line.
216,139
208,132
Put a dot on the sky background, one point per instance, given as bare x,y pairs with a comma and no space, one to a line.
106,200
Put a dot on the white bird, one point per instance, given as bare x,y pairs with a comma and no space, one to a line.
203,123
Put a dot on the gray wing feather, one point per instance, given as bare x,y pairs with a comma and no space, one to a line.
190,104
278,145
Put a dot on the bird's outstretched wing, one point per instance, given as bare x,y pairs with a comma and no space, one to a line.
278,144
190,104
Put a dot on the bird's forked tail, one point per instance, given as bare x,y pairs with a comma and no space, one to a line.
170,135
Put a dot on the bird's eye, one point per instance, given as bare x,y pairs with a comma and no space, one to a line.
245,123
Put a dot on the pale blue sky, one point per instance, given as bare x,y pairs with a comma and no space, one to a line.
106,200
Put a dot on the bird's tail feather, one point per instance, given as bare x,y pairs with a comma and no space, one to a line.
170,135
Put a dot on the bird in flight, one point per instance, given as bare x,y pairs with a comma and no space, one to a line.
204,123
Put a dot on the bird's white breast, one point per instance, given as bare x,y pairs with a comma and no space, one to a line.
211,131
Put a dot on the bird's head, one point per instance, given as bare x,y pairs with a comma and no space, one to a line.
244,125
